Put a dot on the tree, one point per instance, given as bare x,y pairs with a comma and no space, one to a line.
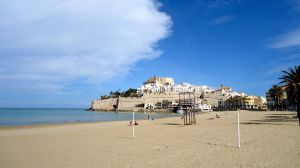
130,93
229,103
291,82
276,92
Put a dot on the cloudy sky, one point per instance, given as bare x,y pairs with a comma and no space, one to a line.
65,53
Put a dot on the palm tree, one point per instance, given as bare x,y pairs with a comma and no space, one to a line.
276,93
291,81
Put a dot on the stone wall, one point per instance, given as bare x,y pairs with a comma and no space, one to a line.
156,98
130,103
105,104
135,103
214,100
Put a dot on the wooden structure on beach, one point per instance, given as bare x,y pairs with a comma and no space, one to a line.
187,101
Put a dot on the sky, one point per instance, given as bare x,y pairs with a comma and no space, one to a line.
66,53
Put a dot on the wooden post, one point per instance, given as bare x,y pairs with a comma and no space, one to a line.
238,130
133,123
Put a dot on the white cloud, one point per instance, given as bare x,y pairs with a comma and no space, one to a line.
275,66
291,39
53,42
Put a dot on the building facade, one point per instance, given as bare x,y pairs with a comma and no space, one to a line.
166,84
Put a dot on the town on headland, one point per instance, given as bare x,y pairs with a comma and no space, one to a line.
161,94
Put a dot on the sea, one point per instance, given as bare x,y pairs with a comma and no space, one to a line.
35,116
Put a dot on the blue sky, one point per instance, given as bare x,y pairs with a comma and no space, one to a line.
60,53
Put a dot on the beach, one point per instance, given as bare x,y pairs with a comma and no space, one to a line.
268,139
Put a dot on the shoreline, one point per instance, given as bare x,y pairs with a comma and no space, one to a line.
74,123
23,117
134,110
108,121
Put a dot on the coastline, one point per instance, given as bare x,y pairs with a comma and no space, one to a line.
42,125
137,110
82,122
40,116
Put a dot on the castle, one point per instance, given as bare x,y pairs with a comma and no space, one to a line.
161,94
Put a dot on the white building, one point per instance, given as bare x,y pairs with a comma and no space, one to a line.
264,100
184,87
223,91
150,88
241,94
163,85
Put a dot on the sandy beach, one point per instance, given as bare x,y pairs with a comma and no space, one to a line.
268,139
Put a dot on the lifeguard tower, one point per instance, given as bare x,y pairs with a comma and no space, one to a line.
187,102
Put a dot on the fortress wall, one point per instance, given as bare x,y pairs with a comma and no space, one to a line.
155,98
105,104
130,103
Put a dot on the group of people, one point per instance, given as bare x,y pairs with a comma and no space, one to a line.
135,123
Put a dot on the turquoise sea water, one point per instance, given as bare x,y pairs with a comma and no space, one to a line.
32,116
